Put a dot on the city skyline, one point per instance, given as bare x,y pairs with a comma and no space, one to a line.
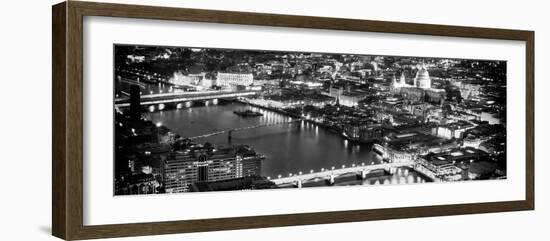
201,119
202,48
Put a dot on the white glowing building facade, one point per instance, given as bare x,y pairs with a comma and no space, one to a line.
421,80
401,83
232,79
421,90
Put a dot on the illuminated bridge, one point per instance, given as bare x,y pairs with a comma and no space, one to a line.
330,174
181,97
229,131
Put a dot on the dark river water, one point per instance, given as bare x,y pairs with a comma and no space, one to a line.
289,148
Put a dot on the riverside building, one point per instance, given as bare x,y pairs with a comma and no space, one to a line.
201,164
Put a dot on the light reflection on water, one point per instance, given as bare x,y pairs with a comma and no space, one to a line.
289,148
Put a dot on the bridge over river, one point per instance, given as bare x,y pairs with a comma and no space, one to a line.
181,97
229,131
330,174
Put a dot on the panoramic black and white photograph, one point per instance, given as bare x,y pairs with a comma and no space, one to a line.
194,119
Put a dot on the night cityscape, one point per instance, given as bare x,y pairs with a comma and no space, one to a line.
201,119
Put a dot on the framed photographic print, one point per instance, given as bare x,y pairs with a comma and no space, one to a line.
170,120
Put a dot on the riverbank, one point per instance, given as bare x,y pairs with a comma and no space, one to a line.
283,112
340,132
288,149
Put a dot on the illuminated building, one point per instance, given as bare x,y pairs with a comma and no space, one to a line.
404,144
439,165
191,79
346,98
363,132
291,98
206,83
469,89
436,96
335,92
136,58
490,117
141,183
472,141
453,130
184,168
449,165
401,83
422,79
350,100
420,91
231,79
417,109
494,146
394,154
306,84
397,147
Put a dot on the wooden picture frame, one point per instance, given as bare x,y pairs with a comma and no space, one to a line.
67,123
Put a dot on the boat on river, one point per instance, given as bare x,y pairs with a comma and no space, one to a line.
247,113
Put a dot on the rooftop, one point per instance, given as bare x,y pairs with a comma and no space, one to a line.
454,155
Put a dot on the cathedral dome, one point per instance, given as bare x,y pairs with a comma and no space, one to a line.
422,79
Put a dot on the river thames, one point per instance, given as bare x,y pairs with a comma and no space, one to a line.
289,148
